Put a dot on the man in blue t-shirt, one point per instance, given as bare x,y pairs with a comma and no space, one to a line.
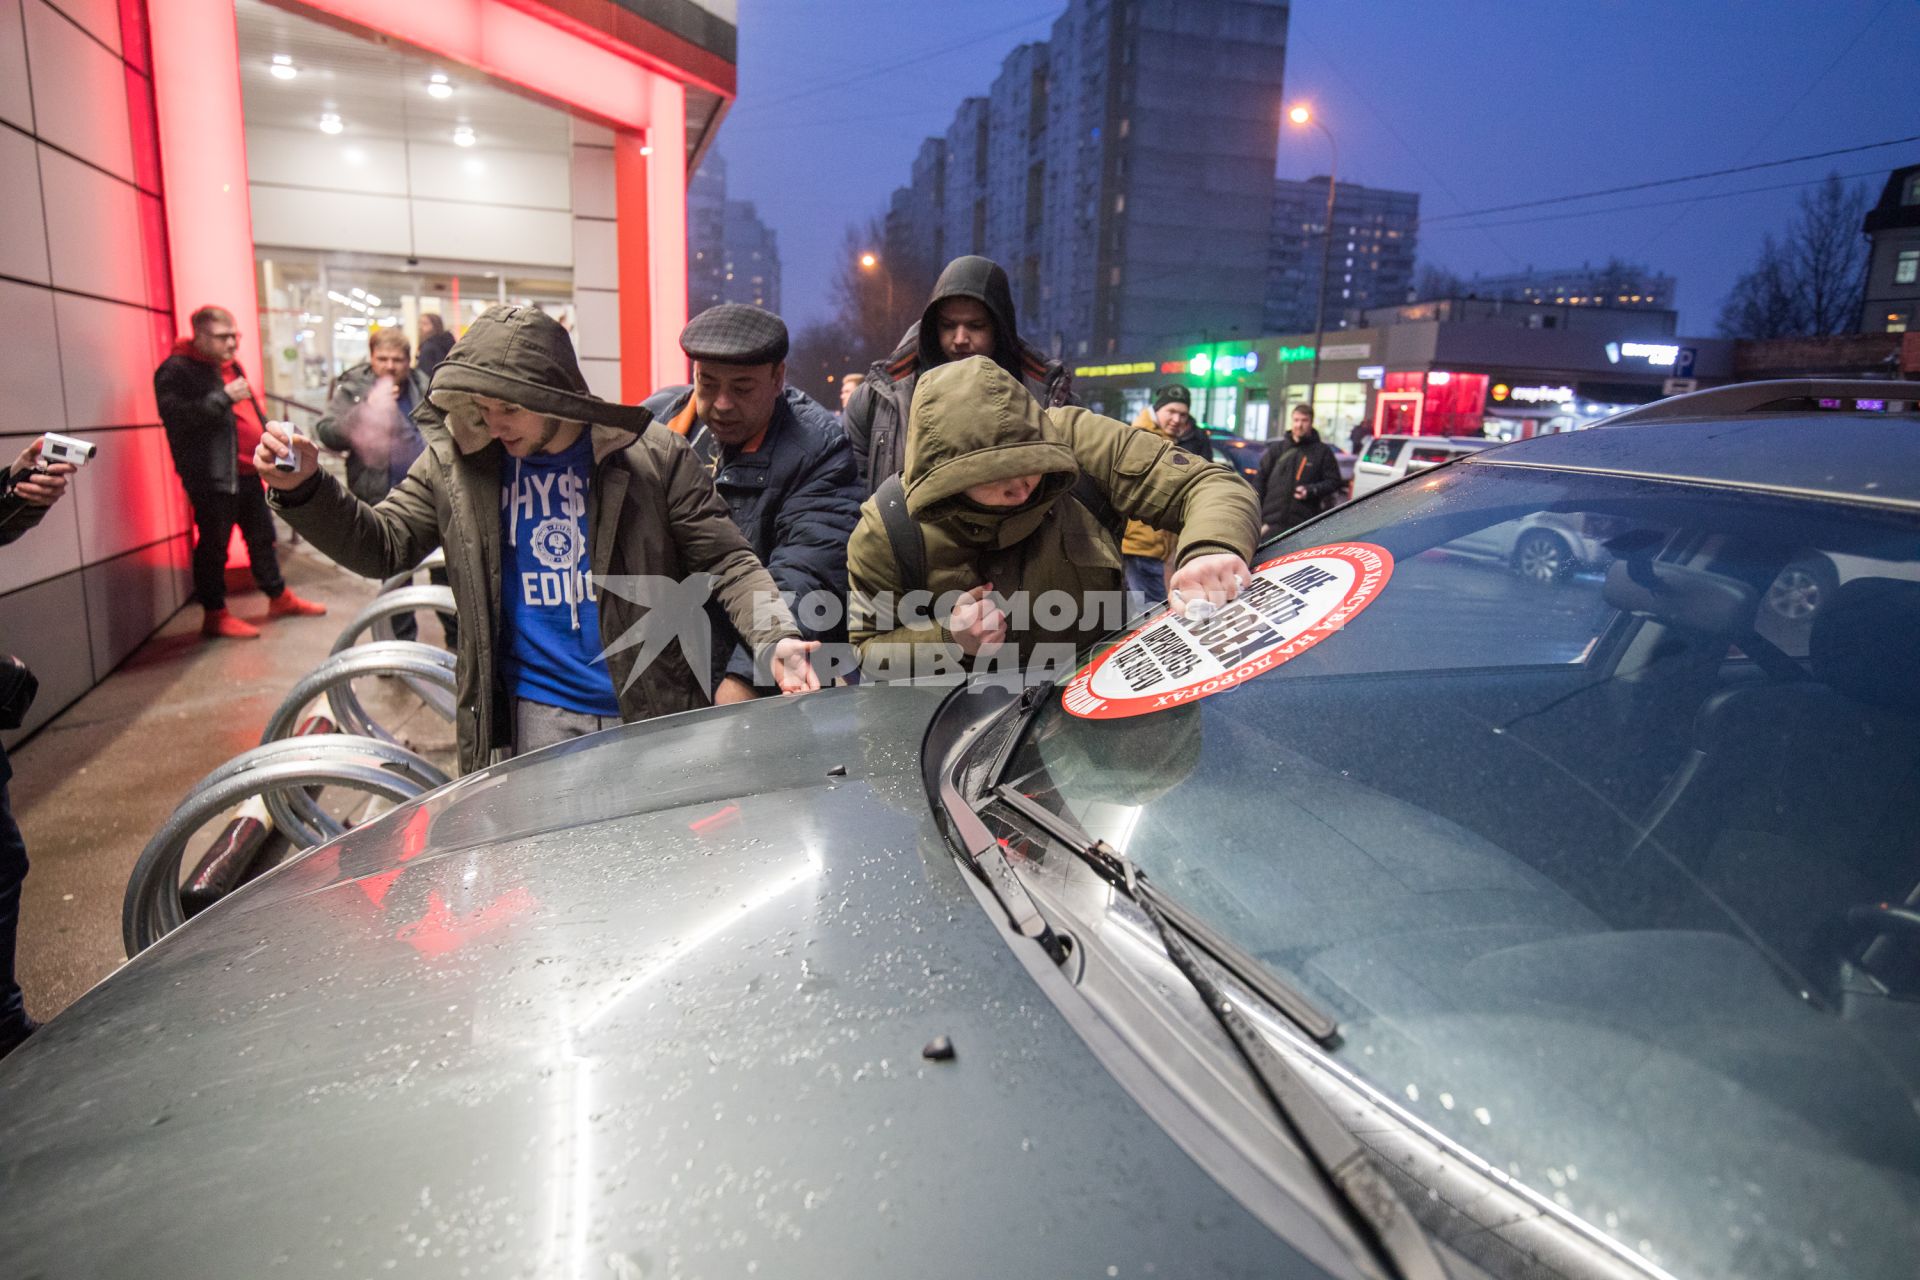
550,628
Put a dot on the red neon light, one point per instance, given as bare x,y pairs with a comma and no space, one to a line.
633,246
667,221
528,50
203,165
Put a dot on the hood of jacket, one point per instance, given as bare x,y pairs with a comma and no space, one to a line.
523,356
972,423
984,281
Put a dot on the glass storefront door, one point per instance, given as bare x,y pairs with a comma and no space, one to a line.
317,311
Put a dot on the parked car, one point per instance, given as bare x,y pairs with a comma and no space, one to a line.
1387,458
1543,546
1396,921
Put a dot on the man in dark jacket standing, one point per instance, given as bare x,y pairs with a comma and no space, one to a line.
1299,478
213,424
370,419
572,528
969,314
781,462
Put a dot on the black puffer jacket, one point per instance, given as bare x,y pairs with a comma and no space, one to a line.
877,414
1310,463
796,498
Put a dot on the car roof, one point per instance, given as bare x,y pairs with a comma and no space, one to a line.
1851,457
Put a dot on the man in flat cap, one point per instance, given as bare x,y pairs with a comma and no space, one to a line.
782,463
569,525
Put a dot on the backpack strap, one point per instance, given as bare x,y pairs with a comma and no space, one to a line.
903,532
1091,496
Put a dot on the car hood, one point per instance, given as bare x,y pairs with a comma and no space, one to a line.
651,1003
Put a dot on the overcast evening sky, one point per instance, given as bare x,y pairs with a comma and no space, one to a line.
1471,103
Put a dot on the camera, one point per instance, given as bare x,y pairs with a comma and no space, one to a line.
55,447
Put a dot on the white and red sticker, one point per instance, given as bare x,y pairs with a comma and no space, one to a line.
1293,603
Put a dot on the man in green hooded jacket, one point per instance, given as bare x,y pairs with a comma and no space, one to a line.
573,529
1016,563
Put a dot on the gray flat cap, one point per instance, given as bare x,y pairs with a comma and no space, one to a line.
735,333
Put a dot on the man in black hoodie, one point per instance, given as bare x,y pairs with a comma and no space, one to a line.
969,314
1299,478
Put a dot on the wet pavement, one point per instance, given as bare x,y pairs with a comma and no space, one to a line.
92,786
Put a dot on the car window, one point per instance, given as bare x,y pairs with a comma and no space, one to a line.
1587,867
1428,455
1382,451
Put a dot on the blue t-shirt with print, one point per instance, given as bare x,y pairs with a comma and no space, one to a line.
550,623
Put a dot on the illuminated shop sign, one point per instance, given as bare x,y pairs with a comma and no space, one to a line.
1113,370
1504,394
1204,365
1659,354
1370,372
1292,355
1347,351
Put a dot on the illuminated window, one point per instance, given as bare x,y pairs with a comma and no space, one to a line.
1910,194
1907,266
1897,321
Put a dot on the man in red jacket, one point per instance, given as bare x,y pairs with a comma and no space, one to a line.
213,425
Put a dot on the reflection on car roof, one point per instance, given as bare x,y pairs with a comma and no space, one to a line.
1863,458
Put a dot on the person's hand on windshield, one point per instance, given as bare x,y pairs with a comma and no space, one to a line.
792,670
1215,579
979,626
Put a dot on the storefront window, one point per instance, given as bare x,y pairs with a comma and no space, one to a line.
1218,407
317,311
1257,424
1132,401
1338,407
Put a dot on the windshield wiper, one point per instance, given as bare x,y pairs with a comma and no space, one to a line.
1298,1007
1372,1207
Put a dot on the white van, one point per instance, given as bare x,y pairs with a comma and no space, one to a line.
1387,458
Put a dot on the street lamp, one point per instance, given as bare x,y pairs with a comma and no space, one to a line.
870,261
1303,114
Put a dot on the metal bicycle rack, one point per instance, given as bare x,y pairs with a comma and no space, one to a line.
276,772
280,785
427,670
381,612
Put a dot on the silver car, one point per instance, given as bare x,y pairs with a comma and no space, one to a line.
1401,920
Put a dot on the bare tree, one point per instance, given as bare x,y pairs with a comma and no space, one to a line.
875,304
1437,282
823,353
1809,282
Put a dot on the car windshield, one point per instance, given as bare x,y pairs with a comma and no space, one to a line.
1590,807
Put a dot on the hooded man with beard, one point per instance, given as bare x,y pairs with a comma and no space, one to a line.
969,314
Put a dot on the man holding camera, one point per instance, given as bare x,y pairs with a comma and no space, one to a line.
213,425
27,489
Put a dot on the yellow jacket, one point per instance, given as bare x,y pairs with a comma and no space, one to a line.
1143,539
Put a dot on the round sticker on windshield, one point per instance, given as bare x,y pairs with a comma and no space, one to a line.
1293,603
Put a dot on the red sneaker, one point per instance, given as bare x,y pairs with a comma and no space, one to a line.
289,605
221,624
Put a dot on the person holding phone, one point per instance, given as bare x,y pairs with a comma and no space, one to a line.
27,489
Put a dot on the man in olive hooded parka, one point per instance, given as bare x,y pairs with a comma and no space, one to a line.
973,425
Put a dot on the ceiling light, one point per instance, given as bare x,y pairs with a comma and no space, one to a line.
330,123
282,68
359,293
371,299
463,136
437,85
